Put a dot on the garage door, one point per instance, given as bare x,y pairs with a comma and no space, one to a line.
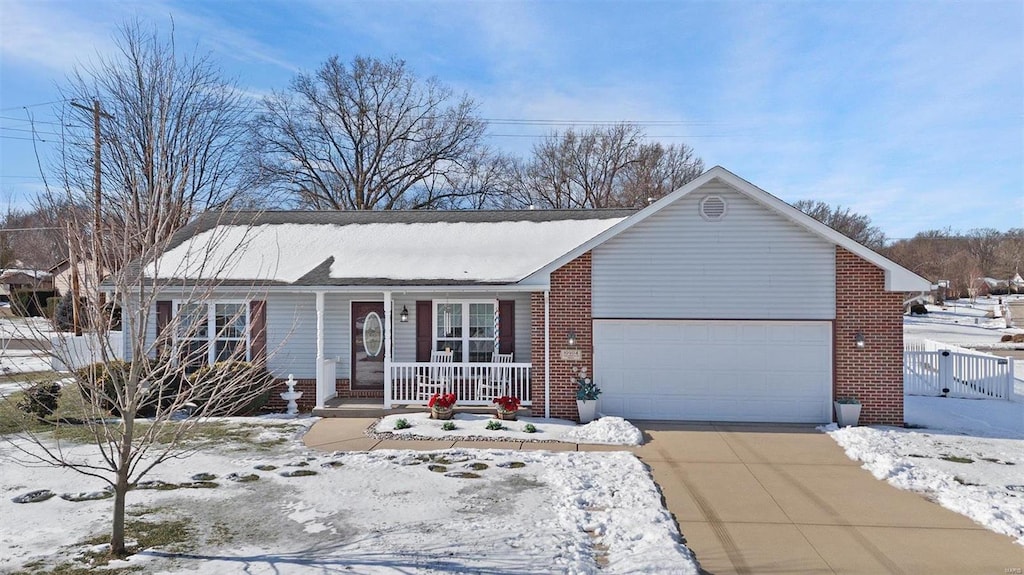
769,371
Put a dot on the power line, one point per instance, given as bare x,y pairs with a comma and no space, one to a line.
32,121
29,131
33,105
2,137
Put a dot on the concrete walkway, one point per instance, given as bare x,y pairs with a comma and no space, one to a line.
772,499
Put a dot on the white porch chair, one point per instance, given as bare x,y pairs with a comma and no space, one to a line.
438,378
499,377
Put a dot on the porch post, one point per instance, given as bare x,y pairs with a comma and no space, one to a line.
387,349
547,353
321,391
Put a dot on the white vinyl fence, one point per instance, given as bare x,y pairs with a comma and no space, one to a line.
72,352
931,368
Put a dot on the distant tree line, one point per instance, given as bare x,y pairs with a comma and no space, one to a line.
963,259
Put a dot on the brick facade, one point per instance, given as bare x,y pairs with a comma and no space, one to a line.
873,374
570,307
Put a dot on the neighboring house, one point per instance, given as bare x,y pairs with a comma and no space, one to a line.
353,304
63,276
12,280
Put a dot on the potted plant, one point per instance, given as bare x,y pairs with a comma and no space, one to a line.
847,411
507,407
442,405
586,397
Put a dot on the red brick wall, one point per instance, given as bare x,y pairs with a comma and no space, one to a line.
570,307
874,374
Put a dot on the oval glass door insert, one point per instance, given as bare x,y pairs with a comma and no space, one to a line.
373,334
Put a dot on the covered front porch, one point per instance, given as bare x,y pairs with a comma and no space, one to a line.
388,334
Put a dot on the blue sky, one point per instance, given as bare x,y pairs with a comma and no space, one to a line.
909,112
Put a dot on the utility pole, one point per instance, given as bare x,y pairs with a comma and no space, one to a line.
97,177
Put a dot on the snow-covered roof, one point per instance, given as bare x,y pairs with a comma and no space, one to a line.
6,273
378,248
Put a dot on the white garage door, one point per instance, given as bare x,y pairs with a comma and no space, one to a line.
771,371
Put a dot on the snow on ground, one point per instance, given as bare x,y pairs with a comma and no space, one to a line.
960,322
15,361
391,511
37,328
606,430
967,455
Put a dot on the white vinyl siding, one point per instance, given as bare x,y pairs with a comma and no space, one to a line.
751,264
757,371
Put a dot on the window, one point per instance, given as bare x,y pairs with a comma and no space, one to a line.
211,332
466,328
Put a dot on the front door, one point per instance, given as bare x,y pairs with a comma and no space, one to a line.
367,345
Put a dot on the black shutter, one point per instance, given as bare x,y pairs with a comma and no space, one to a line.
424,325
507,328
258,331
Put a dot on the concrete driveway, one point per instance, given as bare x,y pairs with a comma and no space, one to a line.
773,499
786,499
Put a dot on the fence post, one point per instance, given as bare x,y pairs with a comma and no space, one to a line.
945,371
1009,379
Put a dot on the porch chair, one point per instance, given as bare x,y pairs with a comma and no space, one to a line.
499,380
438,378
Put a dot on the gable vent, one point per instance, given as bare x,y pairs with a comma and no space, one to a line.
712,208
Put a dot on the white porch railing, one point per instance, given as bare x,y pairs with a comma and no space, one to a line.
472,383
963,374
326,382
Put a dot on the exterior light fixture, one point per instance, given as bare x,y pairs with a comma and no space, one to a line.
404,316
570,338
858,340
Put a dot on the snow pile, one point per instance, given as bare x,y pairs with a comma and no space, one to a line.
607,430
610,430
459,510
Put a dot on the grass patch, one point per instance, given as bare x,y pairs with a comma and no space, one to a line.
173,535
956,459
963,481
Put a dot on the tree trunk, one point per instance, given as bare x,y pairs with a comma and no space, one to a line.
117,548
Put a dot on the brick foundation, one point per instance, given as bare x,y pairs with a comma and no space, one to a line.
873,374
308,388
306,402
570,307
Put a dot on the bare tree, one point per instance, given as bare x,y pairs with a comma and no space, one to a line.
366,135
853,225
34,238
172,132
169,151
605,166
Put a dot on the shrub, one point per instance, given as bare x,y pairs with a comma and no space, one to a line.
402,423
99,383
530,428
41,399
448,426
918,309
494,425
64,314
242,387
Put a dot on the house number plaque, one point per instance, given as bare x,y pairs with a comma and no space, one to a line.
572,355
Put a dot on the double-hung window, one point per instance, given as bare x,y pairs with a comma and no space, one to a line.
209,332
466,328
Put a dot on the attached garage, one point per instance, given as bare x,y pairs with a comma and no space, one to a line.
771,371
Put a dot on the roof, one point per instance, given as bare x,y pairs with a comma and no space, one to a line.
376,248
897,278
